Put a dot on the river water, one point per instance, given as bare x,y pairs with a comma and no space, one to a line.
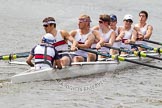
21,29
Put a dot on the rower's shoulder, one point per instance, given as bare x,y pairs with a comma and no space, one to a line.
64,33
95,28
73,32
150,27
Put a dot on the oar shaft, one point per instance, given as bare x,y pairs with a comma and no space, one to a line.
154,42
142,54
119,58
137,53
131,61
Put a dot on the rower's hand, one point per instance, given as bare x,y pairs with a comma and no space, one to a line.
127,41
73,48
98,46
140,36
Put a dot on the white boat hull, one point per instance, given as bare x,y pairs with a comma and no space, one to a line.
78,69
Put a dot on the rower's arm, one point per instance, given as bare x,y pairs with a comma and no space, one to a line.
148,32
70,38
58,64
98,37
111,40
120,36
28,61
134,37
88,42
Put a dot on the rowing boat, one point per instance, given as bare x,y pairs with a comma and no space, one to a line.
77,69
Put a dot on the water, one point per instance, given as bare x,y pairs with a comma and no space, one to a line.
21,29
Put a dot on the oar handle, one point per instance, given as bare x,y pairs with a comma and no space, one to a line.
65,51
119,49
142,46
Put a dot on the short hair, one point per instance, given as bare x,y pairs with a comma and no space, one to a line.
105,18
84,16
144,12
47,19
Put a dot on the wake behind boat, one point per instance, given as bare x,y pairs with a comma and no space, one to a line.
78,69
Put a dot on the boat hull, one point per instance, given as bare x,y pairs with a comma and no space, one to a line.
78,69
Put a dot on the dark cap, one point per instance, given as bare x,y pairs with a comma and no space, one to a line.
113,17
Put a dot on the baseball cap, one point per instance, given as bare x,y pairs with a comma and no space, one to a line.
128,17
113,17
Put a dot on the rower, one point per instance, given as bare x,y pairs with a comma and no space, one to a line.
144,30
61,40
46,56
126,33
106,33
83,36
113,25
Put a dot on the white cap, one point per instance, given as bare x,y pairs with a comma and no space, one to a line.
48,38
127,17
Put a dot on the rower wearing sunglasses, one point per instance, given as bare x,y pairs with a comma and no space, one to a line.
106,33
126,33
61,39
85,38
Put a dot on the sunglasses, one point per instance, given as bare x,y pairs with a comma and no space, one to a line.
100,22
130,21
45,25
84,20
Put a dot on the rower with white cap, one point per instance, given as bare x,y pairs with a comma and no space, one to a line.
126,33
45,54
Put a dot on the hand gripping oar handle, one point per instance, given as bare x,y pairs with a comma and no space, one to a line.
151,41
119,58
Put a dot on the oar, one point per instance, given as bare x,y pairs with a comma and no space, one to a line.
119,58
147,47
151,41
14,56
21,55
136,53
